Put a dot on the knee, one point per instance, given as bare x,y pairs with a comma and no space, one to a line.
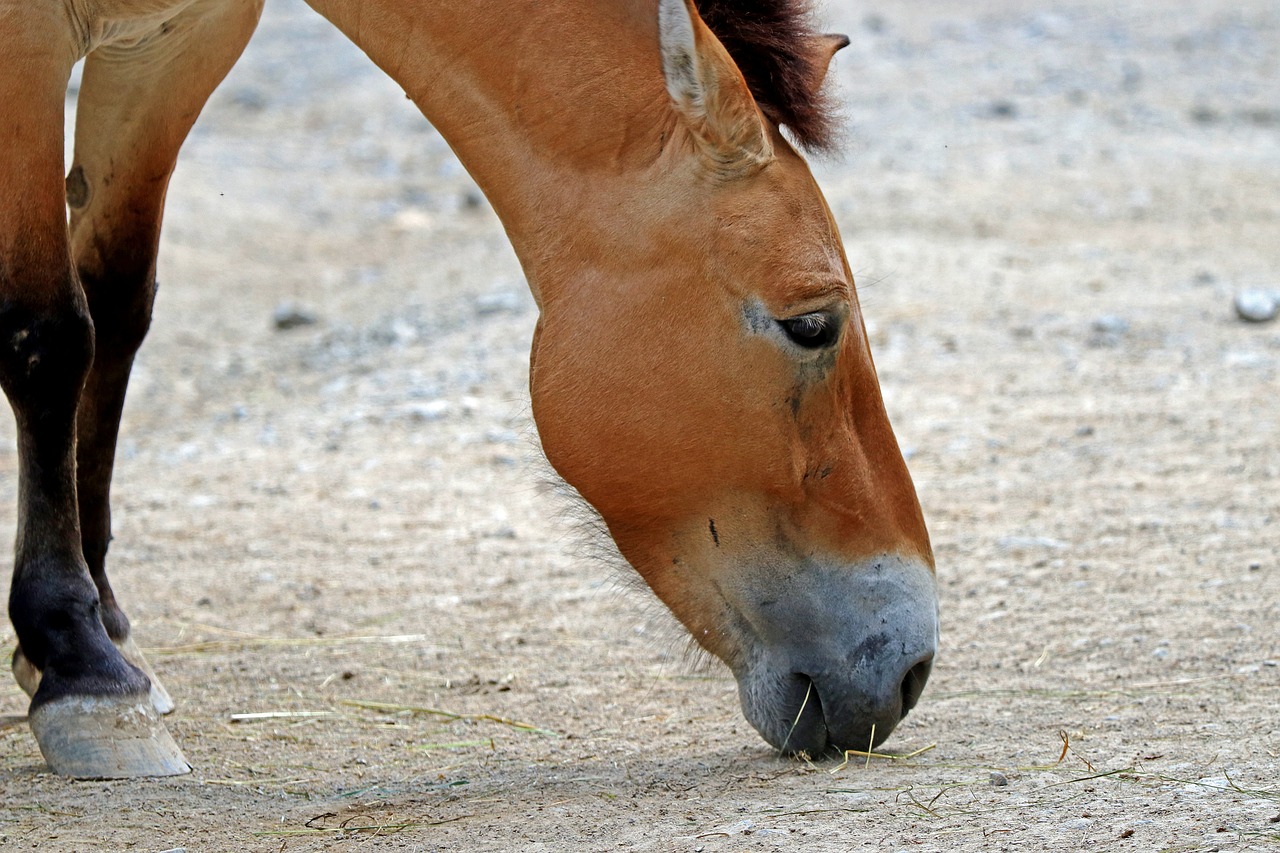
120,297
45,349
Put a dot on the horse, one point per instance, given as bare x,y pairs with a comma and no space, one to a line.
700,369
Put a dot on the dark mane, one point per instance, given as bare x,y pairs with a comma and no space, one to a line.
772,41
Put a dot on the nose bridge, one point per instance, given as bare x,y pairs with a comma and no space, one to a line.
859,496
866,507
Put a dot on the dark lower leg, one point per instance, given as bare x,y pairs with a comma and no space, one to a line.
53,603
117,273
98,428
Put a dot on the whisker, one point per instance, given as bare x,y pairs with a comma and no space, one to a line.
799,713
587,539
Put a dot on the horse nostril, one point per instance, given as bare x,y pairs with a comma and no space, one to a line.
913,683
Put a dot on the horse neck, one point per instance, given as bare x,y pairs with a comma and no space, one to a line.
557,108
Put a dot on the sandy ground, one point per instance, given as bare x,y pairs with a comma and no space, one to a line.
1049,206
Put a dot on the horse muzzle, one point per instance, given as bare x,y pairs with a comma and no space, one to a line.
840,655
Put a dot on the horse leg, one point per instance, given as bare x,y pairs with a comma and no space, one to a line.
136,106
91,715
128,133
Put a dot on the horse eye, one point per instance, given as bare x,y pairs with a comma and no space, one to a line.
811,331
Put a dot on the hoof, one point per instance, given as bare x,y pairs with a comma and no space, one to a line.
107,737
160,697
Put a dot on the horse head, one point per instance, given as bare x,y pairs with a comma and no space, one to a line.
706,384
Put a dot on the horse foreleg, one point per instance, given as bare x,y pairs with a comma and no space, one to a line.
128,134
115,261
91,715
135,108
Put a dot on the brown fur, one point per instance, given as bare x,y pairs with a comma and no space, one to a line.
772,42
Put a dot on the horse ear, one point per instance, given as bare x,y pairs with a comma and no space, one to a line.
708,91
823,50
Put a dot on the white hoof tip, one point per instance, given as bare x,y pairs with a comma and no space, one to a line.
160,699
159,696
106,738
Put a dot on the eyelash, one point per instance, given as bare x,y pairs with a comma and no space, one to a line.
811,331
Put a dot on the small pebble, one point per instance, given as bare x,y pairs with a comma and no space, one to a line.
1205,115
289,315
1015,543
432,411
1108,331
999,779
1110,324
1262,117
497,302
1257,306
249,99
1002,109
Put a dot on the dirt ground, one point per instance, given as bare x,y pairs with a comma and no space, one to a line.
346,525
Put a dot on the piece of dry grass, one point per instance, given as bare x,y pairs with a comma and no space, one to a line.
886,756
396,708
786,740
